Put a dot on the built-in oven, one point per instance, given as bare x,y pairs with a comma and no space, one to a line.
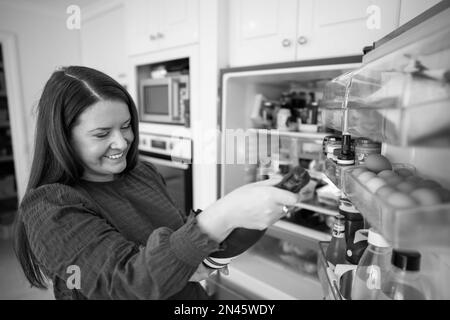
172,157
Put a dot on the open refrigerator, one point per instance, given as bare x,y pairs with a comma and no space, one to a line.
397,94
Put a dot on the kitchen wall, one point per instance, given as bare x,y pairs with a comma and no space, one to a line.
43,42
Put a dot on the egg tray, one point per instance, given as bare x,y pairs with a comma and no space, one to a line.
425,227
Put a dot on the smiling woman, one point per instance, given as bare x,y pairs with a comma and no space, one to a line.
101,138
91,206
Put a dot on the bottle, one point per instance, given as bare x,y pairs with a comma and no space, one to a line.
345,158
372,268
404,280
240,239
354,221
336,249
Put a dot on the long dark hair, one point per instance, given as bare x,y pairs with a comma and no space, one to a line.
68,92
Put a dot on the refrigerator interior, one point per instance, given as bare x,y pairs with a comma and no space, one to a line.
239,90
283,264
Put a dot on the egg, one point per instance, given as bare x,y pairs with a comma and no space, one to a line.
414,179
386,173
366,176
404,172
401,200
426,197
357,171
429,184
385,191
377,163
393,180
406,187
444,194
375,183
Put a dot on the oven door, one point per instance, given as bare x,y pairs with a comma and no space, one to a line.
178,177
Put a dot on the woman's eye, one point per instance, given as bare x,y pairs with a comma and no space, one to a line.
101,135
127,126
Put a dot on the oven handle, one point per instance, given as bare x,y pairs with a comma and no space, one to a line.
163,162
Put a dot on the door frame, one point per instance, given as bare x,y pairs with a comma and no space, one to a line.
19,131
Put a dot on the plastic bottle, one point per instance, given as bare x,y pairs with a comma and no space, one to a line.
404,280
372,268
336,249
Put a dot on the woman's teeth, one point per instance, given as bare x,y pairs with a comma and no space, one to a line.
115,156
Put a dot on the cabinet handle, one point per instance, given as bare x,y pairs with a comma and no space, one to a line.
302,40
159,35
286,43
152,37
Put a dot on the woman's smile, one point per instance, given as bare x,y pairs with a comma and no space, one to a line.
116,156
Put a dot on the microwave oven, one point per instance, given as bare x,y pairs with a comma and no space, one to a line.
165,100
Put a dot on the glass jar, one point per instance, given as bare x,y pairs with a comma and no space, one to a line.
363,148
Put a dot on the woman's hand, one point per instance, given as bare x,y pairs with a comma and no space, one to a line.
203,273
252,206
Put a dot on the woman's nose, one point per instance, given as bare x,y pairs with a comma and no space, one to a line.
118,141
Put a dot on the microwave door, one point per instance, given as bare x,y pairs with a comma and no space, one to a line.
155,100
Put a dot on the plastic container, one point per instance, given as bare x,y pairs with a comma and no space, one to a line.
411,228
372,268
401,98
404,281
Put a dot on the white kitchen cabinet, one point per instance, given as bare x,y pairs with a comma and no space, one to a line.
262,31
330,28
288,30
153,25
410,9
102,43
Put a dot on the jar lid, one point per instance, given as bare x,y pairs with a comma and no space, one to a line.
367,142
406,260
377,239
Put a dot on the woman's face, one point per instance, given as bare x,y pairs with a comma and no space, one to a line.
102,137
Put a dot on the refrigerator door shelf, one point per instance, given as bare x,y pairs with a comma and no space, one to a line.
416,227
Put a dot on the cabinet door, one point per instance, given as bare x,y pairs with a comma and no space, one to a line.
410,9
179,22
330,28
142,25
102,39
262,31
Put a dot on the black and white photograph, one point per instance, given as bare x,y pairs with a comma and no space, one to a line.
230,155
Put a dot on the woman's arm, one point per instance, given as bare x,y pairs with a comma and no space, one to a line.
64,231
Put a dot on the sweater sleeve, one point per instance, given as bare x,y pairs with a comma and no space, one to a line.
64,230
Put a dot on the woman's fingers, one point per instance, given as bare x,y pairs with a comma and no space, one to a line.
268,182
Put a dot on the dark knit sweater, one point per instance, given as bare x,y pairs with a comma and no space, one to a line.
126,236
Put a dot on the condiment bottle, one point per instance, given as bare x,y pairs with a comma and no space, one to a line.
404,280
336,249
345,158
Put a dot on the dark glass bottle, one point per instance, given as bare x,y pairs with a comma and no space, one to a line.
240,239
336,249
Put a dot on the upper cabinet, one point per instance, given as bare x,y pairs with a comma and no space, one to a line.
412,8
160,24
330,28
262,31
286,30
102,38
